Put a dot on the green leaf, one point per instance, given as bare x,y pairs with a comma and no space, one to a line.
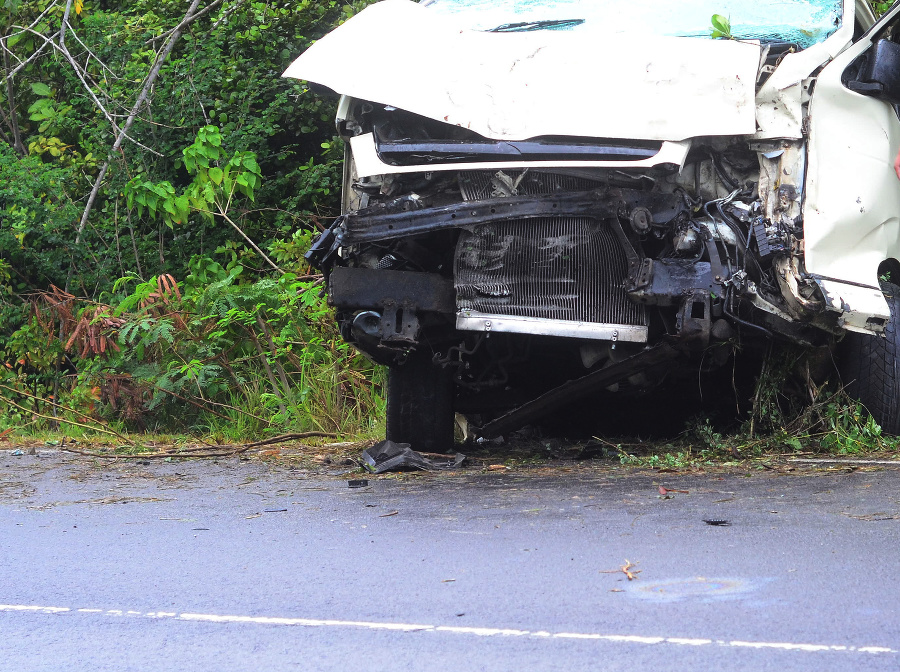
41,89
721,26
215,174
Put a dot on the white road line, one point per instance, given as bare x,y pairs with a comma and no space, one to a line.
457,630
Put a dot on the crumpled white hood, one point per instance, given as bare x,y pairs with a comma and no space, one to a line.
515,86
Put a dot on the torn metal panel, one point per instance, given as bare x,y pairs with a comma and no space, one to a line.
779,112
862,309
515,86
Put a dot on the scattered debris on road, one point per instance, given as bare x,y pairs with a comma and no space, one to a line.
717,522
872,517
627,569
390,456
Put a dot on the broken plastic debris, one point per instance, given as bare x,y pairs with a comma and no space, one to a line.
18,452
717,522
390,456
359,483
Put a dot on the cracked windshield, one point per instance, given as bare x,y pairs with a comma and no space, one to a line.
801,23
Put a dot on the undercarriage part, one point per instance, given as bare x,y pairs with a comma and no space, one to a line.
397,326
371,289
694,321
641,219
559,396
663,282
569,269
373,224
801,295
324,249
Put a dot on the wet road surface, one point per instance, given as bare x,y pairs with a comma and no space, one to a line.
252,566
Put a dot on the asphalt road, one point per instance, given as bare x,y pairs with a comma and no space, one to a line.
254,566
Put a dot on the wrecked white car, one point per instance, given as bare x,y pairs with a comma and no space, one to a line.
550,199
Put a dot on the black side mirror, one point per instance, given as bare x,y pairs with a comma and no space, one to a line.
879,73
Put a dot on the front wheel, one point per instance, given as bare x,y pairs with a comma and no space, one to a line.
420,405
870,370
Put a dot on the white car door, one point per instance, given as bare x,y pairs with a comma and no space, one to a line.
852,199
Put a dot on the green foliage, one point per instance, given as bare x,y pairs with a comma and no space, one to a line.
880,7
225,145
36,212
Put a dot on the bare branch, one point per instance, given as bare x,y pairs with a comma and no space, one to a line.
35,22
142,98
22,64
91,53
65,22
80,73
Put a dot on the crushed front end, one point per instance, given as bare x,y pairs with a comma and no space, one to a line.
524,258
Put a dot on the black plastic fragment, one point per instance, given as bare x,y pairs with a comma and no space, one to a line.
360,483
390,456
717,522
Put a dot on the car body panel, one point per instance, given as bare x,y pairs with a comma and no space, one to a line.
522,85
852,206
368,163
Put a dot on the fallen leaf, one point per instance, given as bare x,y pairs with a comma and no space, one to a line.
497,467
666,491
392,513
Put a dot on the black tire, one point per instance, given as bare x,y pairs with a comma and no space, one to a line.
420,405
870,370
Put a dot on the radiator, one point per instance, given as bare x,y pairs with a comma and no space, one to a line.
557,276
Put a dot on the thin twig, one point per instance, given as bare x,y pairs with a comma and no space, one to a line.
223,215
192,402
70,422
